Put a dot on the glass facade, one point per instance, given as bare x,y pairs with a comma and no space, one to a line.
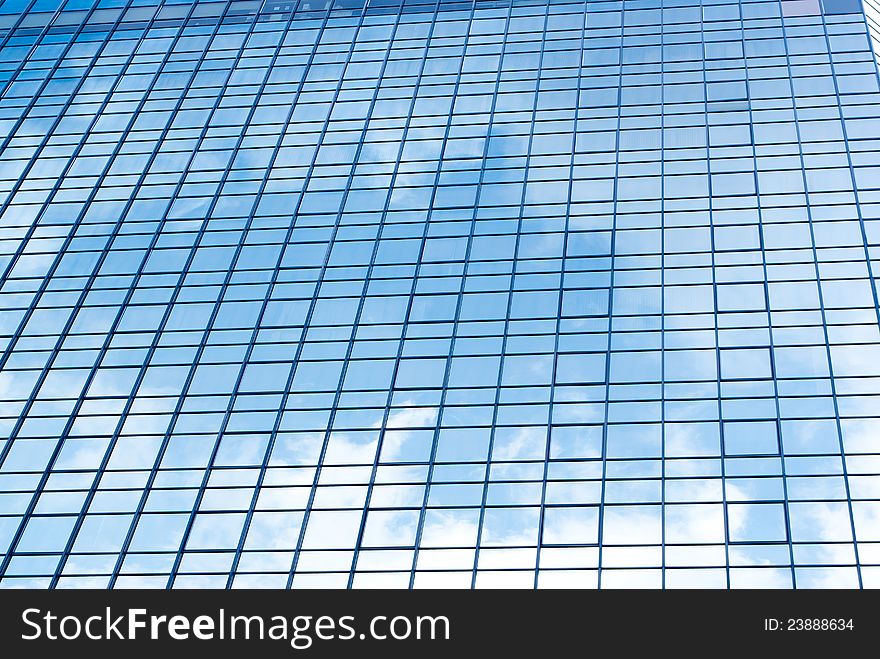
357,293
872,14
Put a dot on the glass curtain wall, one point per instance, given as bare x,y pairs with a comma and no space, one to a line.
516,293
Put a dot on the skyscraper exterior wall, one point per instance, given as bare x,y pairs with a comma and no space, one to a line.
872,15
357,293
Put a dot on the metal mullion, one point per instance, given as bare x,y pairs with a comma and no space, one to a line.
251,25
389,399
465,266
663,502
5,142
31,398
182,396
505,334
465,269
203,486
4,87
873,27
11,30
566,230
313,491
464,263
76,224
717,347
815,253
769,319
271,287
455,320
17,333
612,262
132,395
155,238
95,367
